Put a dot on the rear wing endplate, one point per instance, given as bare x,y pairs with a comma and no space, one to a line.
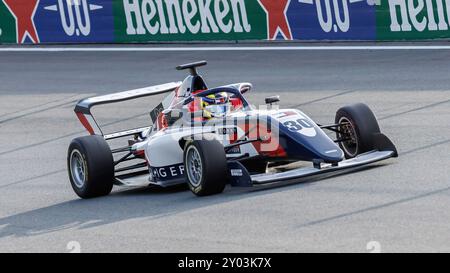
84,106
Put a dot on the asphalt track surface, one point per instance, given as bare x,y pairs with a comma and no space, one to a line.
403,204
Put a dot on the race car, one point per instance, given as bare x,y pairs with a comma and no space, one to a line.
211,137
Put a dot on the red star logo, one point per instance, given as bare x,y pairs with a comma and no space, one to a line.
276,18
23,11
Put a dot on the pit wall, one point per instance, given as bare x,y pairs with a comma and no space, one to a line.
130,21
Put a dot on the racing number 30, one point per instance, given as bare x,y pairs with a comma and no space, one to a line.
297,125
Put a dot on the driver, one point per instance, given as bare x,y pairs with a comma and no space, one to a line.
214,105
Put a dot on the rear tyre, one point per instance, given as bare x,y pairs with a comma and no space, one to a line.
206,167
91,166
357,127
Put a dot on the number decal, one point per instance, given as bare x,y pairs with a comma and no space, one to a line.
302,126
305,123
298,125
293,125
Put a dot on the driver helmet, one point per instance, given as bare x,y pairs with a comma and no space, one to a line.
216,105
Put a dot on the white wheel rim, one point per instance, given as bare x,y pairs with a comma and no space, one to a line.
194,166
78,168
350,147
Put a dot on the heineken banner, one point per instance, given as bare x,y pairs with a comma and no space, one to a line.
127,21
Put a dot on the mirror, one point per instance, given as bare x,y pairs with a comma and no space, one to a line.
272,99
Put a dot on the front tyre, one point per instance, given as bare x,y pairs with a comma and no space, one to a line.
206,167
356,130
91,166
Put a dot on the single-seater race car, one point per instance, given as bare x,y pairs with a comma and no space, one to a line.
211,137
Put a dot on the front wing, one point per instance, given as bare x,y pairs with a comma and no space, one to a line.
360,160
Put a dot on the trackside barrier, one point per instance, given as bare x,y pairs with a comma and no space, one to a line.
128,21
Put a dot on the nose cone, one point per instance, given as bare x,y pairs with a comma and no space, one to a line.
320,145
306,140
333,155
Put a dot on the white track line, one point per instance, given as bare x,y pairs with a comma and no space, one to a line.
236,48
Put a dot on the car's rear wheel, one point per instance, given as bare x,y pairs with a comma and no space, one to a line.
357,126
205,165
91,166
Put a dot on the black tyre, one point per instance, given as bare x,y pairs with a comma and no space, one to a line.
91,166
206,167
357,127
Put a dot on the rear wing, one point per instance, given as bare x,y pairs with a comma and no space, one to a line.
84,106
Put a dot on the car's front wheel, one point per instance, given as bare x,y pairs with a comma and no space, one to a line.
205,166
91,166
356,130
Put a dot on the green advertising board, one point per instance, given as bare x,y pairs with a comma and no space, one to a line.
413,19
189,20
7,25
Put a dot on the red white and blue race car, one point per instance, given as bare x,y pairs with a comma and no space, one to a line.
208,138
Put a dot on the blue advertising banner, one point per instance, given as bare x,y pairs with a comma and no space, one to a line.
332,19
75,21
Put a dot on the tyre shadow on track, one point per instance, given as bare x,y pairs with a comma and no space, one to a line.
144,203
